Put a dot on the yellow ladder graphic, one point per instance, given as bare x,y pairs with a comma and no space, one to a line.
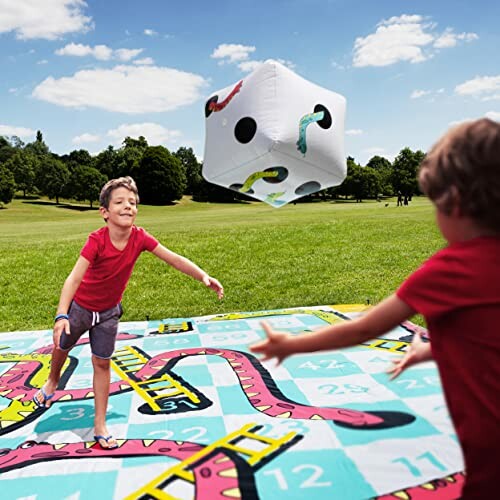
230,442
185,326
127,361
396,346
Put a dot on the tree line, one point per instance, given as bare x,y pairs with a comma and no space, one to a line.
163,176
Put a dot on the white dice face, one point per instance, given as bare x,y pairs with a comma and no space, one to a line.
275,136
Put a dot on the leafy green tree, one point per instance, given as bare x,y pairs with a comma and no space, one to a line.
23,166
404,171
128,160
52,178
38,147
16,142
7,184
87,183
384,168
360,182
160,176
41,152
129,156
139,143
192,168
79,157
372,185
106,162
379,163
6,149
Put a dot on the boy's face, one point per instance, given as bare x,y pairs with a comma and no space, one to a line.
122,209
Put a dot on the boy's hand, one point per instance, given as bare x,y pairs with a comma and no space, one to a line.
275,346
417,352
60,327
214,285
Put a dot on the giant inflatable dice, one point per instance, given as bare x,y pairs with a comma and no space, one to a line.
275,136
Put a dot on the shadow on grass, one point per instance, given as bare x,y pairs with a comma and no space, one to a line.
67,206
78,208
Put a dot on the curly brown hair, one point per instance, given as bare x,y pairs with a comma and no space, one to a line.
111,185
463,170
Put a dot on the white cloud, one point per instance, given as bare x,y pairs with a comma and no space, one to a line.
145,61
150,32
100,52
42,61
354,131
124,89
239,54
419,93
247,66
154,133
486,88
127,54
493,115
50,19
403,38
232,53
85,138
9,130
449,39
397,39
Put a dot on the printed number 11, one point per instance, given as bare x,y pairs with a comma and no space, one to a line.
415,470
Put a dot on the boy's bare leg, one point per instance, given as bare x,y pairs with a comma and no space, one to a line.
102,379
56,363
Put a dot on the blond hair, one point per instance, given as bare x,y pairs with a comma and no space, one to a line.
463,170
111,185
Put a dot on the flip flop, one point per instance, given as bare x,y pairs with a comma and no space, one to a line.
104,438
46,397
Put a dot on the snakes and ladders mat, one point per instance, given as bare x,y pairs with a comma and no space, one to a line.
197,416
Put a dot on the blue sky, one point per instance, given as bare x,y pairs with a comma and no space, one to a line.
88,73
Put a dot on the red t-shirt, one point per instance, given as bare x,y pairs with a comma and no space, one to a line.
104,282
458,292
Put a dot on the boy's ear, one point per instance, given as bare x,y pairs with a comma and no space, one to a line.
456,210
103,211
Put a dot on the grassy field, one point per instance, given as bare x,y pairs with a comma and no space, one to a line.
266,258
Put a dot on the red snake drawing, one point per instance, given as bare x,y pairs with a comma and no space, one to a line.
216,475
255,381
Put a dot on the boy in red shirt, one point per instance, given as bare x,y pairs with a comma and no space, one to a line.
91,295
457,291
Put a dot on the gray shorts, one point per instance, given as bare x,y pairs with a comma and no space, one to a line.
102,328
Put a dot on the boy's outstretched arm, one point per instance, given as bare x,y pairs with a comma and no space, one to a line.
67,293
417,352
377,321
187,267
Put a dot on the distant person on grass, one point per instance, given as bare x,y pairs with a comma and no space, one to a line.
91,295
458,292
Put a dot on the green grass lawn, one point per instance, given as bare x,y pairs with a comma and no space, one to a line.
266,258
